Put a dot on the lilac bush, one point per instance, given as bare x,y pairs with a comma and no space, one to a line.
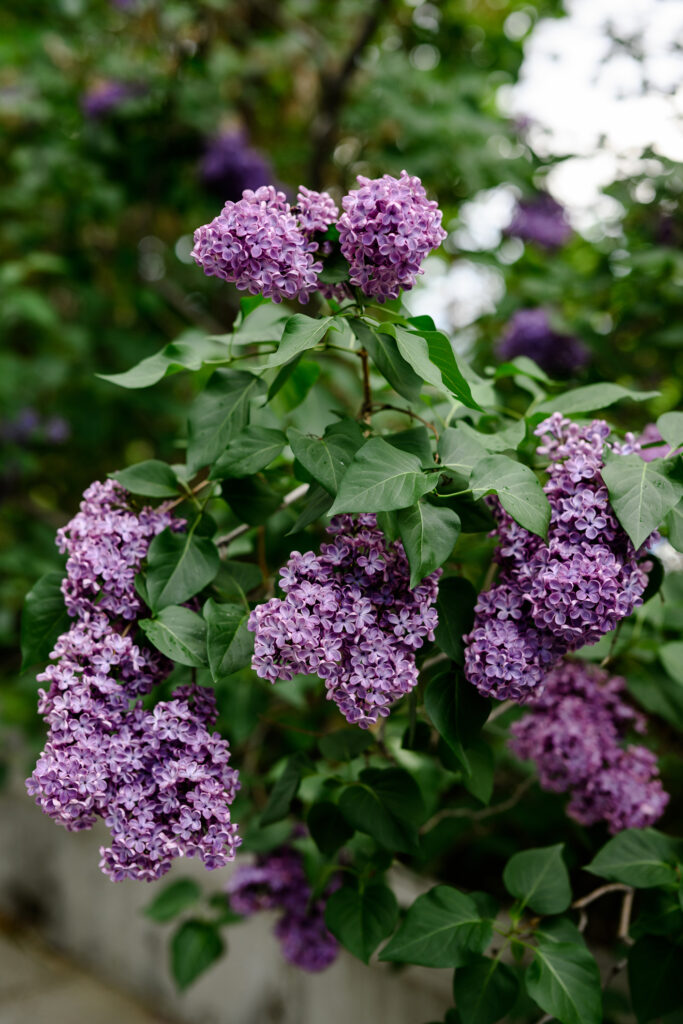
349,616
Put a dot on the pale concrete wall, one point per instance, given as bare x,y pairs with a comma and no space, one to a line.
100,924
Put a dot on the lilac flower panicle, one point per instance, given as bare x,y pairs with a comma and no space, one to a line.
529,333
349,616
277,881
159,778
257,244
556,597
541,220
387,229
315,211
230,165
574,732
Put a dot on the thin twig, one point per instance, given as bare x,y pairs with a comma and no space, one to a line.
243,528
500,710
188,495
601,891
381,407
625,918
485,812
366,408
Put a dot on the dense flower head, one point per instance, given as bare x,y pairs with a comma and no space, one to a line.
277,881
541,220
553,598
387,229
159,778
349,616
574,732
529,333
257,244
230,165
315,211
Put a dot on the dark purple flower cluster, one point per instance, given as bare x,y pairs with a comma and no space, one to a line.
28,427
529,333
574,733
386,230
277,881
257,244
159,778
556,597
230,166
541,220
104,97
350,617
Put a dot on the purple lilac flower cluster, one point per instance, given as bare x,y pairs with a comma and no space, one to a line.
541,220
257,244
574,733
158,778
104,97
230,165
348,615
553,598
277,881
386,230
529,333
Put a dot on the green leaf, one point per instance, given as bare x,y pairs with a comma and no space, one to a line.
179,565
293,383
285,789
178,633
190,354
640,494
539,879
458,712
230,644
518,488
249,452
459,452
455,606
301,333
485,990
478,780
671,657
387,804
431,356
522,364
441,929
415,441
429,535
654,977
219,414
43,619
565,981
510,437
344,744
194,947
318,503
640,857
327,458
173,899
360,920
389,361
670,426
328,827
382,478
591,397
674,524
152,478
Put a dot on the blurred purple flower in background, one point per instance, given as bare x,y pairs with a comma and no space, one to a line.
104,97
530,333
541,220
657,448
28,426
230,165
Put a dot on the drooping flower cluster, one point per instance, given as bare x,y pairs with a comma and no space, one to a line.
553,598
230,165
277,881
529,333
349,616
387,229
257,244
159,778
574,733
541,220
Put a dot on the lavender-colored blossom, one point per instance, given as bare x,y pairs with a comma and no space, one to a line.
256,244
529,333
556,597
230,166
574,732
350,617
315,211
541,220
104,97
651,445
387,229
159,779
277,881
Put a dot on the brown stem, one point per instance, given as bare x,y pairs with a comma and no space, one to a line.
243,528
194,490
381,407
366,408
601,891
485,812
